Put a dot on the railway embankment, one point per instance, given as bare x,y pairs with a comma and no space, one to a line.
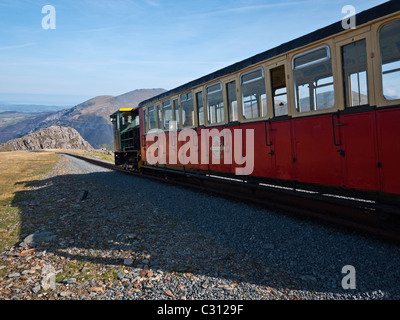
89,233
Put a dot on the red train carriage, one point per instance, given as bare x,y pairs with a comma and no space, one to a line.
320,112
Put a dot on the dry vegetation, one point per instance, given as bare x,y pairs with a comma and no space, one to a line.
20,167
17,170
98,154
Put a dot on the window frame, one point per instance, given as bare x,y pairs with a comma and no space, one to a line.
381,101
352,41
313,97
291,83
206,107
163,113
225,84
241,116
179,123
159,120
195,92
348,38
185,94
273,64
329,57
153,107
145,116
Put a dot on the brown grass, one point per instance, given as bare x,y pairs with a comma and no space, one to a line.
17,169
98,154
19,166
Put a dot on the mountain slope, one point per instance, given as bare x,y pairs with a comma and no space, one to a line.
89,118
53,137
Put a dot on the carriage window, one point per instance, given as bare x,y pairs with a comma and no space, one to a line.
176,116
152,118
167,111
200,109
354,62
280,102
324,95
117,121
254,98
187,110
232,101
389,41
278,80
145,124
159,116
314,80
303,101
215,104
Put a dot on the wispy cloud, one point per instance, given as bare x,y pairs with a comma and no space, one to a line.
18,46
252,8
261,7
101,29
152,3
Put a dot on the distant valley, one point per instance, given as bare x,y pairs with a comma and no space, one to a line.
30,108
8,118
89,118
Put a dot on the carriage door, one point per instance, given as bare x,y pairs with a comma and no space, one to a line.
354,129
278,129
388,97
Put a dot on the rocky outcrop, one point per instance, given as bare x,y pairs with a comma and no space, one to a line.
90,118
54,137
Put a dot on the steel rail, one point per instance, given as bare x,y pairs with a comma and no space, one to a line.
365,217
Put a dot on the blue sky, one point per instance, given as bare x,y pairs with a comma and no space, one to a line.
115,46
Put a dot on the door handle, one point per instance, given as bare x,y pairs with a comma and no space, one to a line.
334,131
341,152
266,133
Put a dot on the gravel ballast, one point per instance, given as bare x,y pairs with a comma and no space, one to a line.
92,233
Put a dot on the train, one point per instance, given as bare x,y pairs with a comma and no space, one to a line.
321,112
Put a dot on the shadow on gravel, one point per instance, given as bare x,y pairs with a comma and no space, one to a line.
121,221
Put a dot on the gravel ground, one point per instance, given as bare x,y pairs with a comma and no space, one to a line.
92,233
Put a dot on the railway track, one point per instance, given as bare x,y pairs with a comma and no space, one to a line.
361,215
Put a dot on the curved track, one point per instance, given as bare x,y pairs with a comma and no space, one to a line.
354,214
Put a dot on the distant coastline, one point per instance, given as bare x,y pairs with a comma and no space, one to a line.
30,108
42,99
